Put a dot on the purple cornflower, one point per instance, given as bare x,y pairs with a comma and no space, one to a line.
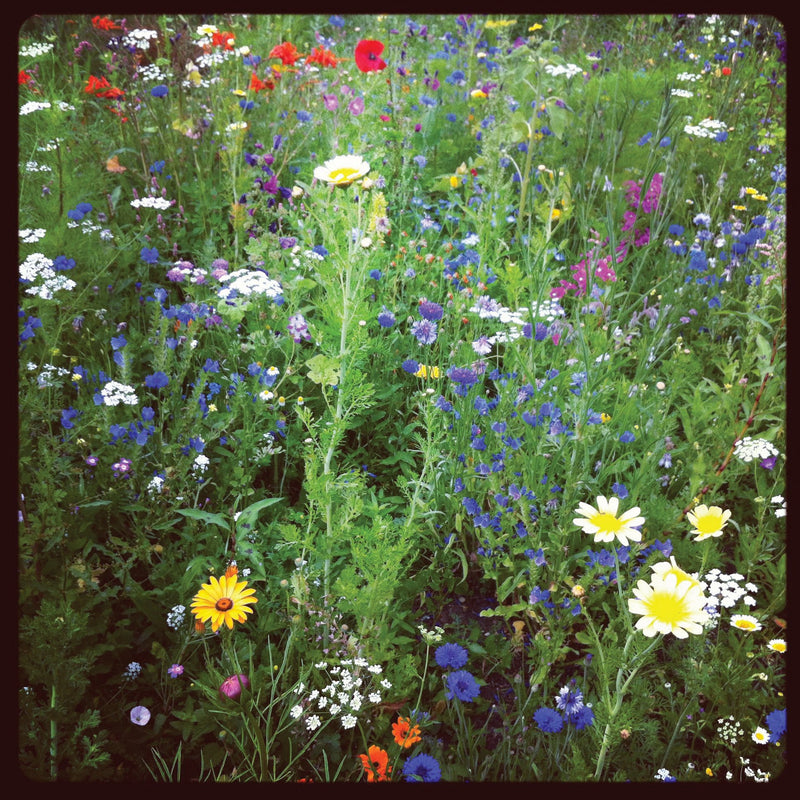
431,311
548,720
386,318
175,670
425,331
298,328
451,656
570,701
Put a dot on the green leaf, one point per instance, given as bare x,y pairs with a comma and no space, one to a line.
250,514
205,516
322,369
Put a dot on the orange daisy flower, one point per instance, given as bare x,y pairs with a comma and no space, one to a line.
376,764
404,733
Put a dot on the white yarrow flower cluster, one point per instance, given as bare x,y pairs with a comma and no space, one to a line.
114,393
725,591
707,128
161,203
689,76
36,49
570,70
38,267
139,38
49,375
780,502
245,282
200,464
681,93
351,686
749,449
31,235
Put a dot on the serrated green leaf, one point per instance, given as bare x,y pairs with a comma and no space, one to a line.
323,370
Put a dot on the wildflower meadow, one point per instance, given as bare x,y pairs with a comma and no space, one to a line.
402,398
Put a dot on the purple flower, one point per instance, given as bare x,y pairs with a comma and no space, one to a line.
386,319
425,331
158,380
298,328
768,463
356,106
140,715
175,670
410,366
149,255
331,101
451,656
461,685
431,311
548,720
162,90
231,687
627,437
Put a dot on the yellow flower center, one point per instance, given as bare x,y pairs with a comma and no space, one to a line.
710,523
666,607
343,174
224,604
745,624
779,647
606,522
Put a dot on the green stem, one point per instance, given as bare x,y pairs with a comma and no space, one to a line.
53,735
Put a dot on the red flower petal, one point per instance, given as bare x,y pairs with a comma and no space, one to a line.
368,53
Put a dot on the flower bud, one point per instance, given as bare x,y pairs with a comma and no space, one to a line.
232,687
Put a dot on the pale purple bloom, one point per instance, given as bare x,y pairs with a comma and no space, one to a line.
425,331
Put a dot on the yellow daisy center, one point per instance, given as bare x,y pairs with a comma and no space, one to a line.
779,647
709,523
606,522
666,607
343,174
224,604
745,624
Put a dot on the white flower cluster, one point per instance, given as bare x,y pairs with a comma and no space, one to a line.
725,591
49,375
36,49
31,106
780,501
139,38
570,70
31,235
748,449
34,266
249,282
307,255
155,486
345,694
38,267
132,671
689,76
161,203
152,73
114,393
729,730
707,128
200,464
681,93
88,227
176,617
35,166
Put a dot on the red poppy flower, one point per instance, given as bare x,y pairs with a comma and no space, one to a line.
24,77
222,39
726,70
257,85
323,57
286,52
368,55
95,84
104,24
112,93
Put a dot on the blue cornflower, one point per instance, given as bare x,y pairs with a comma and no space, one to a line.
162,90
462,375
431,311
386,318
461,685
67,415
627,437
158,380
776,722
423,768
304,116
548,720
411,366
425,331
157,167
619,490
645,139
583,718
149,255
247,105
451,656
62,263
570,701
375,274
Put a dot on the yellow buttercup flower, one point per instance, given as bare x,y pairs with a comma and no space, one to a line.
223,601
707,521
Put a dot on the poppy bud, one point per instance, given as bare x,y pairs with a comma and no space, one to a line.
231,687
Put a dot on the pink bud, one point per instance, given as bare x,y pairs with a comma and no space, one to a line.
232,687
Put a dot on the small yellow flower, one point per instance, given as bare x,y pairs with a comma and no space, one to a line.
605,417
750,190
212,407
454,181
478,93
707,522
555,213
535,27
709,772
761,197
739,208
